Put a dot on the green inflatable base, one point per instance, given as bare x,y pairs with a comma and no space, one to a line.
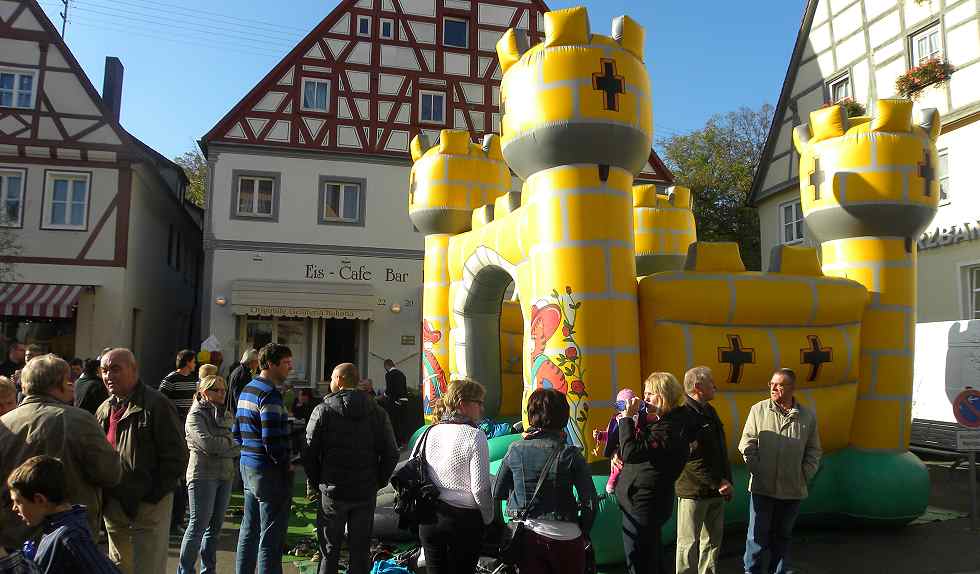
852,488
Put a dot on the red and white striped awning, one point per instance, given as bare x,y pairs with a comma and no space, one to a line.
38,300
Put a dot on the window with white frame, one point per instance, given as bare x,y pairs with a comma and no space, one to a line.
16,89
387,29
12,197
432,107
255,196
791,222
456,32
364,26
66,200
943,176
973,278
341,200
927,45
316,95
840,88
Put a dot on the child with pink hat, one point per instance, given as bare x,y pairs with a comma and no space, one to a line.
609,438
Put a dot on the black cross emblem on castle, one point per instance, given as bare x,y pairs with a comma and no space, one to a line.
926,172
735,355
610,84
817,177
815,355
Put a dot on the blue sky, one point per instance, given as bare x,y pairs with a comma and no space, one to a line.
187,62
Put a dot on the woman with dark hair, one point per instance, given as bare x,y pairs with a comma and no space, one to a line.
654,456
557,526
457,462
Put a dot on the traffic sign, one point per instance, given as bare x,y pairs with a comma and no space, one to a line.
966,408
968,441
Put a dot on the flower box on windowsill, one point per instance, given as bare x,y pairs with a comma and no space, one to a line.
933,71
852,107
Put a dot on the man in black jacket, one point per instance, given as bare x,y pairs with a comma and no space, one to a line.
396,399
706,481
90,391
241,376
350,454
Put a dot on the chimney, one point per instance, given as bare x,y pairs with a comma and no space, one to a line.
112,85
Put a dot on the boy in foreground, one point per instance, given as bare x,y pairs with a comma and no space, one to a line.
37,489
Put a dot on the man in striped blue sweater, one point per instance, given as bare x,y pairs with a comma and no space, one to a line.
262,428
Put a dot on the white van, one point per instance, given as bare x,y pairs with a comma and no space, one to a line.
947,362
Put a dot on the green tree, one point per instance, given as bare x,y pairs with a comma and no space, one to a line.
718,163
196,169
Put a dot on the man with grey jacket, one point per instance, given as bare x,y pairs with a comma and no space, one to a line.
781,449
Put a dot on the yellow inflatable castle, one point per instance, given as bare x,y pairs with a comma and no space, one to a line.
611,284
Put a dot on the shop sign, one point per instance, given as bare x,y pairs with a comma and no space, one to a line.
354,272
408,339
943,236
308,312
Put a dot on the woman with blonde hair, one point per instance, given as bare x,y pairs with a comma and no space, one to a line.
654,454
210,472
457,462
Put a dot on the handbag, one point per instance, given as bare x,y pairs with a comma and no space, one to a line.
512,545
415,494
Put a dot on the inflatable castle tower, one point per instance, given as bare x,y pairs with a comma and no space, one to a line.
611,284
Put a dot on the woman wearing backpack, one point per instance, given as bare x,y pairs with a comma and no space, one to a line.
556,527
457,456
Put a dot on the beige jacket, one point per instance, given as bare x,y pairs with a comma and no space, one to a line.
42,425
782,451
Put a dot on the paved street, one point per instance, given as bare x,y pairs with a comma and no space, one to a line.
943,547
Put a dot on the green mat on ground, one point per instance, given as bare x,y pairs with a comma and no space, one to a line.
302,515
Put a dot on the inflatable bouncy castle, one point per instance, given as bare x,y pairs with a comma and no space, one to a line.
611,284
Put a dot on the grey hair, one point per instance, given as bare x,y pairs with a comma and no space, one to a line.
694,376
7,386
122,351
249,356
43,374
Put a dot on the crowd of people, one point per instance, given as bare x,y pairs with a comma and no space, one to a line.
86,448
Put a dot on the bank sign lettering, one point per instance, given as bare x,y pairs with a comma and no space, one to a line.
943,236
348,271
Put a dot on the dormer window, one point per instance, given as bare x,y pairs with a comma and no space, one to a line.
16,89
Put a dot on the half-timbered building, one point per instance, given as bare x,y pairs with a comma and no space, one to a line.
107,250
307,238
858,49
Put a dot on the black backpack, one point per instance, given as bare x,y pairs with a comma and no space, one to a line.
415,494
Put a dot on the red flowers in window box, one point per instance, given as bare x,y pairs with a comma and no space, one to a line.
932,71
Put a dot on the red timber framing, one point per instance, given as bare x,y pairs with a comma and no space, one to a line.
78,134
374,82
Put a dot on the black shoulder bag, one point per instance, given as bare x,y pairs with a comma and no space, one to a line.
512,545
415,494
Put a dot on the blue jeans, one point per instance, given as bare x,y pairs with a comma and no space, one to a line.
770,528
208,502
357,518
267,500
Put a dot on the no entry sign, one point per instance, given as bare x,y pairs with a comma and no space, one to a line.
966,408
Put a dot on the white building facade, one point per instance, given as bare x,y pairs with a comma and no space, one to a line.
307,235
108,252
857,49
